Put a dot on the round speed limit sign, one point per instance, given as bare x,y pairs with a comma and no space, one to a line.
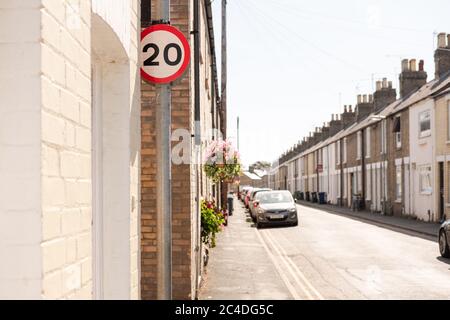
165,53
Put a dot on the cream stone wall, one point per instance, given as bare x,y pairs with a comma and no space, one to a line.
46,235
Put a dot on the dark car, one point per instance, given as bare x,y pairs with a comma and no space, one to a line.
275,208
444,239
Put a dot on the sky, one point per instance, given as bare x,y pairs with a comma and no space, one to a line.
293,63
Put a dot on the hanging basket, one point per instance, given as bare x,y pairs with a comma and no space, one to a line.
222,163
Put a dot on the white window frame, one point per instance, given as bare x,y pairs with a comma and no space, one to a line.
368,144
425,175
398,140
398,183
344,160
425,133
383,137
338,152
358,145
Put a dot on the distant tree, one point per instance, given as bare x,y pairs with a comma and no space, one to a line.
259,165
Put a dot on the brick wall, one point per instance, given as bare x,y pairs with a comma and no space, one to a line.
66,149
181,182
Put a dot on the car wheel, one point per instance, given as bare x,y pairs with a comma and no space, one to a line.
443,245
258,225
295,223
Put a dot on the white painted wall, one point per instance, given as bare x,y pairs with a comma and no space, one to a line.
421,153
45,142
20,203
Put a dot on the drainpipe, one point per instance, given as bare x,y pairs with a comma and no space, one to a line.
197,136
196,72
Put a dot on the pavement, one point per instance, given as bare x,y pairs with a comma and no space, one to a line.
238,266
328,256
426,229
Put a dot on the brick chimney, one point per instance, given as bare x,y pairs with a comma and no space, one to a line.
384,95
317,137
442,55
364,106
325,131
335,125
411,78
348,117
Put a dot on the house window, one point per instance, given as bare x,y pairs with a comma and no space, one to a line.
358,145
424,124
398,183
397,132
338,152
345,151
383,137
367,142
425,180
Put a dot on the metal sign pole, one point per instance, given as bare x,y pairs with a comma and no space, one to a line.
163,175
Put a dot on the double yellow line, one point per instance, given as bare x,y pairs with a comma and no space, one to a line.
288,269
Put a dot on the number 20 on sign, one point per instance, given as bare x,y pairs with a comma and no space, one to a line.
165,54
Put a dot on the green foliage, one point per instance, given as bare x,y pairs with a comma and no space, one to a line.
223,172
212,221
222,162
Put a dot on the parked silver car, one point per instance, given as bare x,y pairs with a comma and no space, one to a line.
444,239
252,207
275,208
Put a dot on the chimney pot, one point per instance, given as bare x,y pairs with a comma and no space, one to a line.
421,63
359,98
412,65
370,98
405,65
332,117
345,108
379,85
385,84
350,108
448,40
442,40
365,98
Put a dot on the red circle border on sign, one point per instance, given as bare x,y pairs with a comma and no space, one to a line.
186,47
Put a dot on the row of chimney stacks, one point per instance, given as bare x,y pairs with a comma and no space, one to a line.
412,77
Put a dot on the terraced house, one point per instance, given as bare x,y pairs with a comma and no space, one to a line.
189,183
78,150
69,145
389,155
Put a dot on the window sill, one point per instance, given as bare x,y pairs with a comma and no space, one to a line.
424,135
447,142
422,141
426,193
398,201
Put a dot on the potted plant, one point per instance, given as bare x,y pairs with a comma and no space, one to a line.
212,220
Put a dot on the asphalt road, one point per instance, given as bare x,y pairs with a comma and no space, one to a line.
326,257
